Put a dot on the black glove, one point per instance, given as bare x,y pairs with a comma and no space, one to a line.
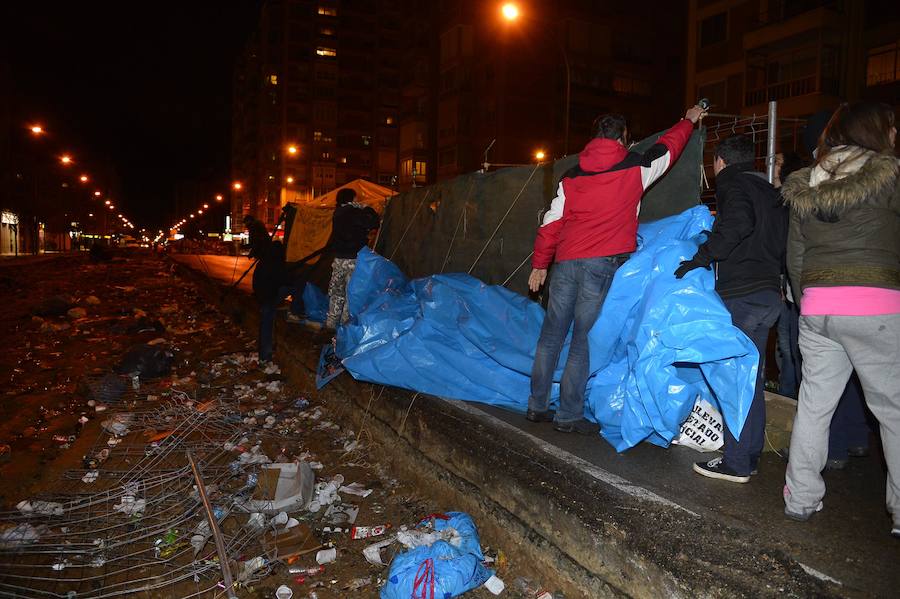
687,266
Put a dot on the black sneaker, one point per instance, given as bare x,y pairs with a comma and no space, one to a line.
716,468
536,416
582,427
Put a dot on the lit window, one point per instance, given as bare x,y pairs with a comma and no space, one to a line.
326,31
324,51
367,140
273,79
343,160
317,136
406,168
326,155
327,12
421,168
389,120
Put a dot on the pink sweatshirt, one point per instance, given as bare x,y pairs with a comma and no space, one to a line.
849,301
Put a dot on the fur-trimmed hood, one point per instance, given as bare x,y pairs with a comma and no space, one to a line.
853,176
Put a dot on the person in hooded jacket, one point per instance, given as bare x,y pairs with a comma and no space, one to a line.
747,246
844,266
589,231
350,227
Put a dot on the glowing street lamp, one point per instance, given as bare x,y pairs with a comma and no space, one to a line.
219,197
539,155
107,202
192,215
111,207
205,206
237,186
290,179
292,150
36,129
97,194
65,159
510,11
83,178
199,212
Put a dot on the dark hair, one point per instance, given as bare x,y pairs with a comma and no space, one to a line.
862,124
609,126
345,196
736,149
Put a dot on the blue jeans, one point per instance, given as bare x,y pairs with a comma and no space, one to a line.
849,425
577,290
754,314
788,350
267,317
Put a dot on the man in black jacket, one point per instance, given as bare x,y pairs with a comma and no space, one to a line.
350,228
272,283
747,244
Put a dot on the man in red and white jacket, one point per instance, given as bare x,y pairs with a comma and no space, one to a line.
590,230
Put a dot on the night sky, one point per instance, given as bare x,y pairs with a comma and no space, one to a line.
143,86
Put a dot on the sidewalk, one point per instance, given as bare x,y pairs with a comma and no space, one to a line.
641,523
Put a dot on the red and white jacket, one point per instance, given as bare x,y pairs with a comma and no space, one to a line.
595,212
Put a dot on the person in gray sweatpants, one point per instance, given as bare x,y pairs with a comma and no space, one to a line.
843,259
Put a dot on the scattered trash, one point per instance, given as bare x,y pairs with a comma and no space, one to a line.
326,556
341,513
284,592
118,424
90,476
365,532
372,553
281,488
530,590
92,300
356,489
76,313
21,534
148,361
130,505
358,583
330,366
42,508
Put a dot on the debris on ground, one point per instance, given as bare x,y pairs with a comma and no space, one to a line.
100,499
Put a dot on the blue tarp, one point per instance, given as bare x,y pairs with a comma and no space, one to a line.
315,303
658,343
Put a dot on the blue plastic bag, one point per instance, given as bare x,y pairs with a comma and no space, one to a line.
442,569
658,343
315,303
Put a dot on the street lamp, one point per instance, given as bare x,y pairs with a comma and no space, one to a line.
97,194
290,179
292,150
65,159
237,186
219,197
83,178
36,129
539,155
510,12
205,206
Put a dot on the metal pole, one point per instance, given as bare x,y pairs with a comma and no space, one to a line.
214,527
770,141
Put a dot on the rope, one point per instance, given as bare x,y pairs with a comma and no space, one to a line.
508,210
513,273
423,584
405,416
462,214
406,230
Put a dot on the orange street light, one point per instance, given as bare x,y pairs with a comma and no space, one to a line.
219,197
107,202
36,129
97,194
292,150
192,216
290,179
205,206
83,178
199,212
111,207
539,155
237,186
65,159
120,216
510,11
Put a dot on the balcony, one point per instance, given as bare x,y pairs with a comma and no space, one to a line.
794,19
783,90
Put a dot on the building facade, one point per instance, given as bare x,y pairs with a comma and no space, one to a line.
808,55
316,102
